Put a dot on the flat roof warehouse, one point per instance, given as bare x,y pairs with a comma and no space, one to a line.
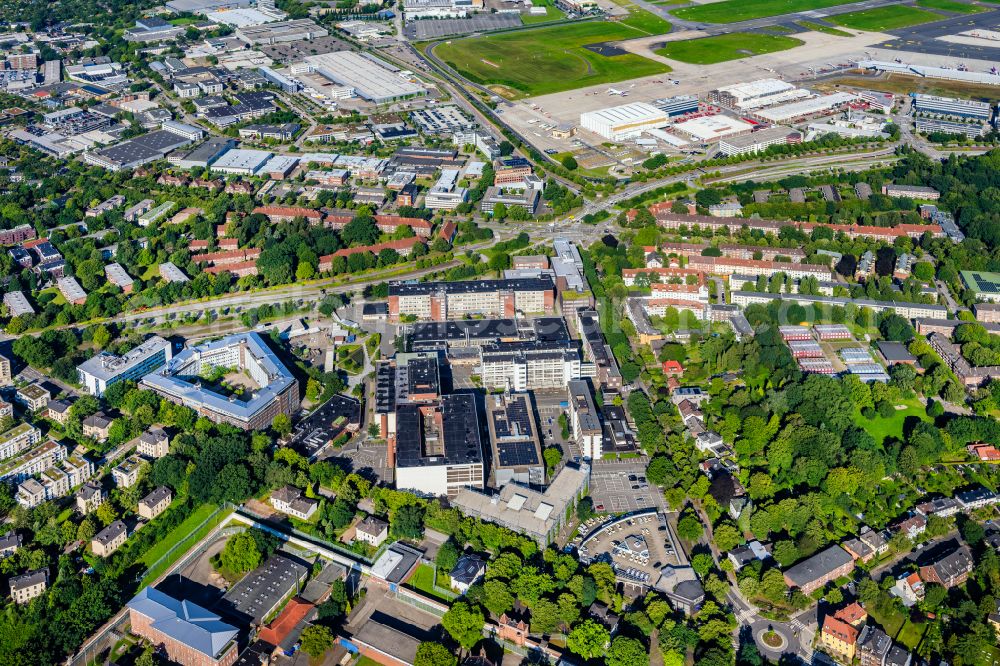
372,79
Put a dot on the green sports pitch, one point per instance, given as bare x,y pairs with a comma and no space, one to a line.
525,63
731,46
733,11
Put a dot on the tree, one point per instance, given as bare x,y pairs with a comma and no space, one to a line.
726,537
106,513
464,623
497,597
447,556
282,425
408,522
241,553
702,563
569,163
689,527
626,652
316,640
434,654
588,639
362,230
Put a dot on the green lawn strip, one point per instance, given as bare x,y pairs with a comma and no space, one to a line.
187,533
731,46
733,11
951,6
649,23
880,19
819,27
551,14
880,428
547,60
423,581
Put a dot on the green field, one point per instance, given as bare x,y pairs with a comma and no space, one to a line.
731,46
951,6
891,17
551,14
181,533
547,60
819,27
640,19
423,581
880,428
732,11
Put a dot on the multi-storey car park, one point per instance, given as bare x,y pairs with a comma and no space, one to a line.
269,388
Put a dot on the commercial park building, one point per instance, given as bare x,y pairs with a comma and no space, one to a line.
371,78
438,301
276,390
105,369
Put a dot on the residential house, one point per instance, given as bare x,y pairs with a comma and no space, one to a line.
949,570
58,411
912,527
97,426
9,544
600,613
290,500
155,503
909,588
467,571
873,646
29,585
154,443
839,639
90,496
371,530
33,397
110,539
126,473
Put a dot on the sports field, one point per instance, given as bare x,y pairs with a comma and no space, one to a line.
880,19
733,11
951,6
525,63
731,46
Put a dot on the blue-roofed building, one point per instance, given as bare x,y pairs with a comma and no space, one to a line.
190,634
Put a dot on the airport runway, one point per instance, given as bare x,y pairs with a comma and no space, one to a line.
925,38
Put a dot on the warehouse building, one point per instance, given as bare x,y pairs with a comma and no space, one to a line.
280,32
755,142
371,78
806,109
241,161
708,129
624,122
743,97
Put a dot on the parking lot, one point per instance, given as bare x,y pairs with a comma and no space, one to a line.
363,457
637,547
422,30
620,486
